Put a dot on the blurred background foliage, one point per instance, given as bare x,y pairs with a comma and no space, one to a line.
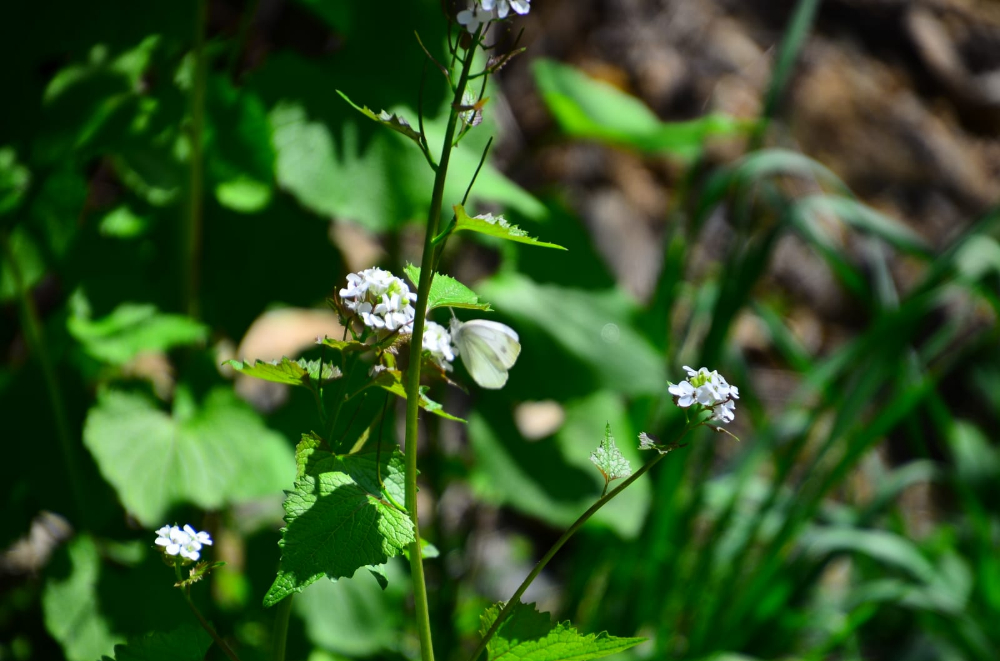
800,196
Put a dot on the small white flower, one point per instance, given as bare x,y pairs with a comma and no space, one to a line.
383,301
503,7
438,343
186,542
522,7
683,391
474,16
709,390
171,538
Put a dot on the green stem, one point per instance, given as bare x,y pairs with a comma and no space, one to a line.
192,230
280,634
413,374
516,597
186,591
35,338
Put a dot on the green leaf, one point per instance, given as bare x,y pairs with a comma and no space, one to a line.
528,635
338,520
392,120
447,292
68,605
591,109
374,179
132,328
185,643
392,380
123,223
496,226
608,458
346,346
29,262
335,611
82,598
299,372
238,151
209,456
14,181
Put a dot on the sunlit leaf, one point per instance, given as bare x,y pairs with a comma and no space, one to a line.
14,180
608,458
591,109
207,455
27,260
337,518
70,616
496,226
447,292
299,372
528,635
391,120
392,381
132,328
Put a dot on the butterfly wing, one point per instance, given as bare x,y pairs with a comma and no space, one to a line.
488,349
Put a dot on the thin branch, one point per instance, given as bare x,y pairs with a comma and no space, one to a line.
482,160
441,67
516,597
420,119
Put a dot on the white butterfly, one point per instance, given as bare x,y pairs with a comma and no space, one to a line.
488,349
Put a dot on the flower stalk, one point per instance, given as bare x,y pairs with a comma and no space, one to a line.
540,565
416,347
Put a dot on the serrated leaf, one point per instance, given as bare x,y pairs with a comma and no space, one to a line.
447,292
345,345
338,520
392,120
608,458
392,380
528,635
496,226
299,372
185,643
209,455
132,328
497,62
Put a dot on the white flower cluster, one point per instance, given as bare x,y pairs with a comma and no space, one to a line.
185,542
438,342
484,11
709,390
383,301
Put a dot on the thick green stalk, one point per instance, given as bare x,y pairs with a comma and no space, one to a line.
191,262
413,375
540,565
36,343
